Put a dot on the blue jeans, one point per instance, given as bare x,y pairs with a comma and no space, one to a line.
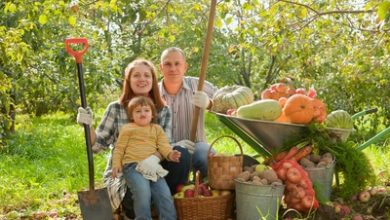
179,172
144,191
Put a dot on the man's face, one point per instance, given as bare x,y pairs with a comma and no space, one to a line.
173,67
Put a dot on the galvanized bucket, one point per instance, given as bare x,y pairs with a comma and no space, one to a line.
254,201
322,179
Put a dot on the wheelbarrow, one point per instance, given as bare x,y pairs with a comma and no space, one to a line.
268,137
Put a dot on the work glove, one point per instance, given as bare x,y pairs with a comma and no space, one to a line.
186,144
161,172
200,99
149,167
84,116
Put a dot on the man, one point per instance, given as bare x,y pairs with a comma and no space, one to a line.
180,93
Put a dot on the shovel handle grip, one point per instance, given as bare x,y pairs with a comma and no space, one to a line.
78,55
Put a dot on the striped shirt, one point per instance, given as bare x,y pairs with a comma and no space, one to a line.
183,109
107,133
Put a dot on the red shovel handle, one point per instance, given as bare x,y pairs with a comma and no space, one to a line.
78,55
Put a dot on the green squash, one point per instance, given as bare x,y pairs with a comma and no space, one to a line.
231,97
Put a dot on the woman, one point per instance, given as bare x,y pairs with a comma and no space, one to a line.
139,80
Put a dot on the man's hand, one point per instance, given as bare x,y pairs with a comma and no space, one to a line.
186,144
201,99
84,116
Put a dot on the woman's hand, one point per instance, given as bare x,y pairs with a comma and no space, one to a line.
174,156
115,171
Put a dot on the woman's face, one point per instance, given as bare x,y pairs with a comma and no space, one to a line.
141,79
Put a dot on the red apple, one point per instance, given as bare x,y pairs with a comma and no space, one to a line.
207,193
189,193
179,187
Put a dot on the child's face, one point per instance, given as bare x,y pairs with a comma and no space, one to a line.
142,115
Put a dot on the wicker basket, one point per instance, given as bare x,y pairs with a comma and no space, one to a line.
218,207
222,170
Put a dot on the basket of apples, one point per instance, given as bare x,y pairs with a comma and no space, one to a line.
199,201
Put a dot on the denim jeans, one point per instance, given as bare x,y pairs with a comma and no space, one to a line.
144,191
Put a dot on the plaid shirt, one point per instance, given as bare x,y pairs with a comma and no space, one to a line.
183,109
107,133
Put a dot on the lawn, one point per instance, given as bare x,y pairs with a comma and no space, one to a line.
45,165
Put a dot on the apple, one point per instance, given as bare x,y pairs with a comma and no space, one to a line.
215,193
260,168
185,187
337,208
202,188
364,196
207,193
357,217
225,192
179,195
188,193
345,210
179,188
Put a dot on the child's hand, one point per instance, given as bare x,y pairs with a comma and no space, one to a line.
174,156
115,172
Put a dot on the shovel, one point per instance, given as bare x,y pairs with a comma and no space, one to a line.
94,203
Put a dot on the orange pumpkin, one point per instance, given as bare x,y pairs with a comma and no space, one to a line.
299,109
283,118
282,101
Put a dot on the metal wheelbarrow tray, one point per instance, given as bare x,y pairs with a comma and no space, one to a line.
265,137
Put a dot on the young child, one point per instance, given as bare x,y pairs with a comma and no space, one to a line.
138,140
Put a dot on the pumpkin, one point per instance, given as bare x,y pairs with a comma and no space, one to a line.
339,119
231,97
299,109
283,118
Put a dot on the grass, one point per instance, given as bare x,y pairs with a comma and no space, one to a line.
44,165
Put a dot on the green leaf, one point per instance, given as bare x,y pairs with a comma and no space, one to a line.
10,7
72,20
42,19
383,9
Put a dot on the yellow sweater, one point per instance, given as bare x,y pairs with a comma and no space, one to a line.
137,143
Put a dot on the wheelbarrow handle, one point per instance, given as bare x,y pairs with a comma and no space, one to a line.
364,112
78,55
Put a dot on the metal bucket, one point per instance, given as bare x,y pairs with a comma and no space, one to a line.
254,201
322,179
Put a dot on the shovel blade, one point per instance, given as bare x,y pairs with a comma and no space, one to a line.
95,205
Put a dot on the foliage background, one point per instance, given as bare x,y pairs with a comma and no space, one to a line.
339,47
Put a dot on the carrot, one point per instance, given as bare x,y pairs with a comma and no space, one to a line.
291,153
280,156
302,153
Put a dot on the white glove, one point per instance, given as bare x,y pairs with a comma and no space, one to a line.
186,144
149,167
200,99
84,116
161,172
